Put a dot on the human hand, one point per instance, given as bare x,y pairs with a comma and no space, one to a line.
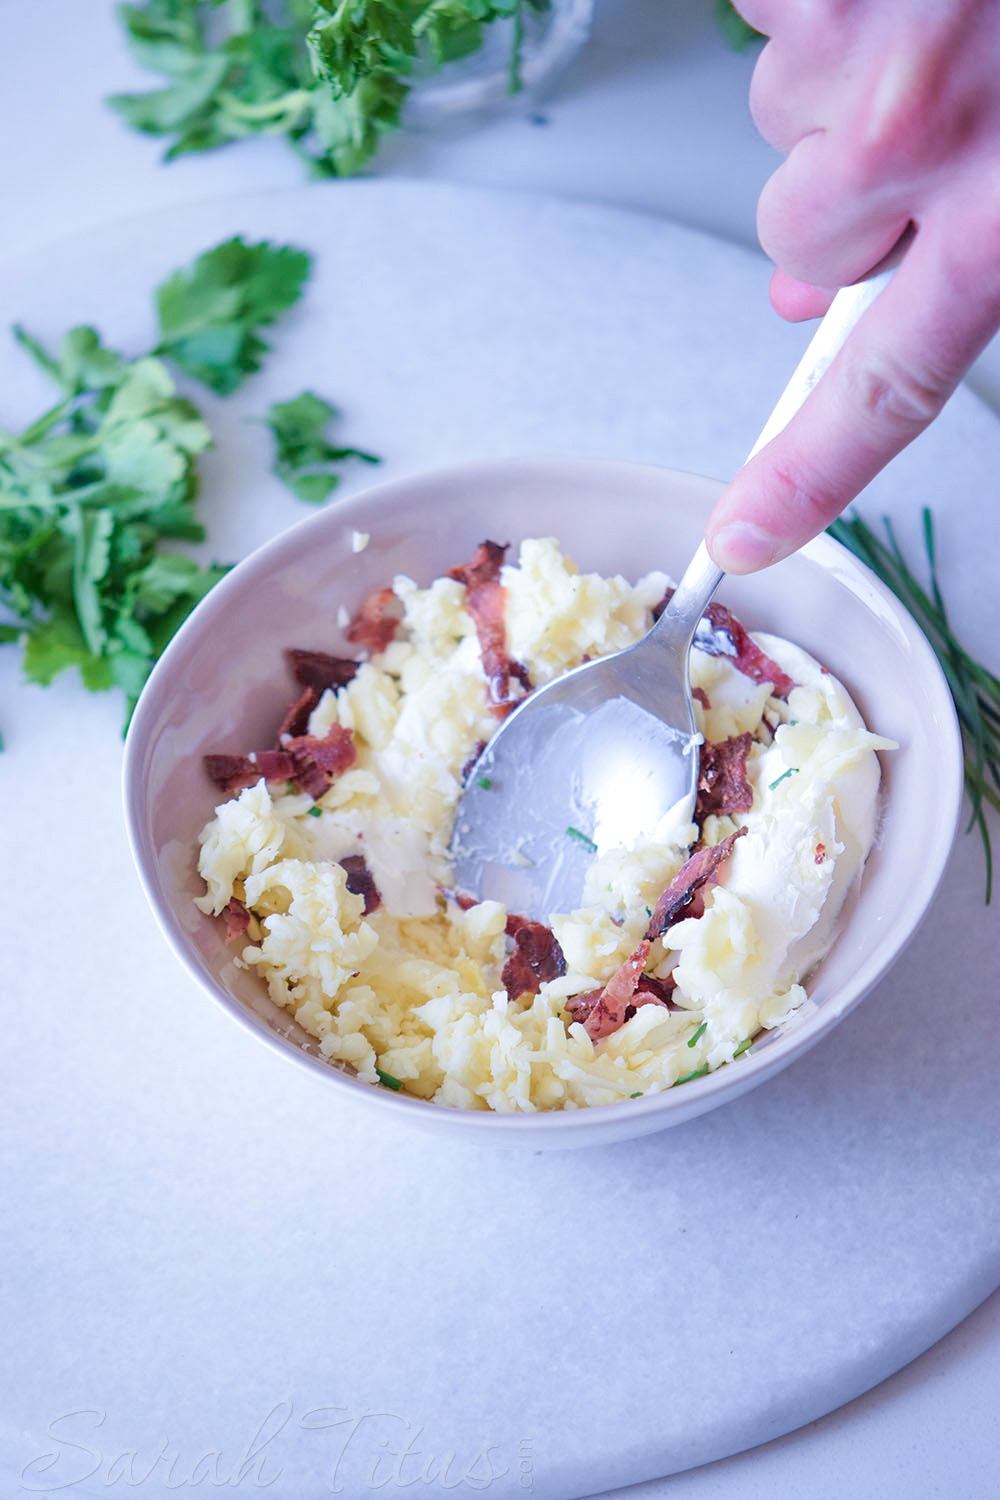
888,112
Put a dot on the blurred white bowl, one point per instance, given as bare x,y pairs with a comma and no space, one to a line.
222,685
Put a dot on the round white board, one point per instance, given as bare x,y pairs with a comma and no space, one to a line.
206,1254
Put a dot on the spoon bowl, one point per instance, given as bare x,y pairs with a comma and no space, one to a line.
594,760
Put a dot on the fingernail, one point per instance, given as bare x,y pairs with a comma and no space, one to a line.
742,547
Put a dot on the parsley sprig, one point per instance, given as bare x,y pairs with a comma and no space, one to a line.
330,76
92,488
975,689
87,492
304,458
211,312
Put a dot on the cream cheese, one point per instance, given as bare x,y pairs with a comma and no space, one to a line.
413,991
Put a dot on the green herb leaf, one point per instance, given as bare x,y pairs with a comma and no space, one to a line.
698,1034
783,777
315,812
388,1080
209,314
303,457
485,783
743,1047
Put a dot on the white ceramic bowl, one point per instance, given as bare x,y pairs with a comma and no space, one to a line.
222,684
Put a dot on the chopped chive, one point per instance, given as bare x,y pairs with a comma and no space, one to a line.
698,1073
315,812
291,788
700,1032
743,1047
485,783
581,838
636,1095
783,777
388,1080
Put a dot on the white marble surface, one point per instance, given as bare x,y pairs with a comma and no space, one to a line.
653,116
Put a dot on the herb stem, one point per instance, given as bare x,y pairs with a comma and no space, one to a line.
514,81
975,690
581,838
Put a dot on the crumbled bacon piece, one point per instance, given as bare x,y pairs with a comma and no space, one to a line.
579,1007
461,898
729,638
274,765
723,787
296,720
308,762
721,634
318,761
486,601
314,671
820,855
648,991
606,1010
537,958
680,894
237,920
482,569
702,697
515,923
231,772
317,670
361,881
658,989
467,768
375,623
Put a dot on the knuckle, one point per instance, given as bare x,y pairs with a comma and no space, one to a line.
766,101
891,391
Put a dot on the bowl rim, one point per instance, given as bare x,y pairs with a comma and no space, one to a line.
699,1094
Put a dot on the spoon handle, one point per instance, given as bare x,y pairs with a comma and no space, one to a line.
842,314
693,594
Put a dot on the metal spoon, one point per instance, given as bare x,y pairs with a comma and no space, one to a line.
608,752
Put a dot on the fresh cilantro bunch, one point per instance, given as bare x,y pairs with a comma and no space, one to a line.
241,69
87,493
91,490
355,40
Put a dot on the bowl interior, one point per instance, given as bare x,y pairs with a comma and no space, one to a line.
222,686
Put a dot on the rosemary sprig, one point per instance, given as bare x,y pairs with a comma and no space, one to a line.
975,689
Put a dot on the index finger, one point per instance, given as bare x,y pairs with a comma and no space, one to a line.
891,378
